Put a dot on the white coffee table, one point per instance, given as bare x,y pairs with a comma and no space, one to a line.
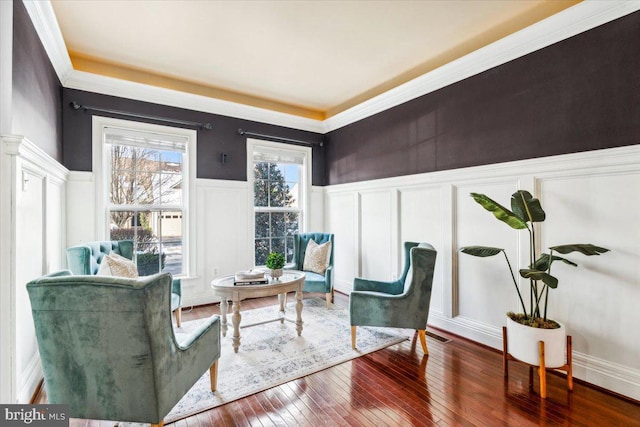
224,287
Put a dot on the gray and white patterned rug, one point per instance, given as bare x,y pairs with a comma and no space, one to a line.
272,354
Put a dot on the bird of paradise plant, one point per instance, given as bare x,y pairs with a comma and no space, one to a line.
525,211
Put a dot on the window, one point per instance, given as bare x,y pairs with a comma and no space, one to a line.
145,181
279,175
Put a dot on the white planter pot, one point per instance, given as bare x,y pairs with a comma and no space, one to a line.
275,273
523,344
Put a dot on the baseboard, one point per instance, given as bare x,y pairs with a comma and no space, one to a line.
612,377
620,379
33,375
202,298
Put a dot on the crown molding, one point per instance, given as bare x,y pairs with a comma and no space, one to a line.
570,22
111,86
46,25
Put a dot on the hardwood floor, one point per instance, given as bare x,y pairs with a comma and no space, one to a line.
460,383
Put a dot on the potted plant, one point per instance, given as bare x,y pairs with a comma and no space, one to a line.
275,262
532,325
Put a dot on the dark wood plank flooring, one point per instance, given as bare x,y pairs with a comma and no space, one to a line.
460,383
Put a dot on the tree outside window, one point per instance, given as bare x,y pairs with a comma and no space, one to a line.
146,205
277,210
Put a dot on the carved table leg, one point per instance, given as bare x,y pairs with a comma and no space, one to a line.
236,325
299,312
224,307
282,298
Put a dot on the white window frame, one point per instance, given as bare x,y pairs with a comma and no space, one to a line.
304,186
102,167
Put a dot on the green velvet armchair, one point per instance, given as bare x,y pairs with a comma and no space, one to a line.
403,303
108,349
314,282
86,259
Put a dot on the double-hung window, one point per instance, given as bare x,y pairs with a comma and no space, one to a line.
279,176
146,180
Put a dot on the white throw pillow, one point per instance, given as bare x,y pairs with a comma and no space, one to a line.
317,257
117,265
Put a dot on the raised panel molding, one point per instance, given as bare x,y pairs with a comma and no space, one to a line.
375,230
30,179
342,219
222,239
612,170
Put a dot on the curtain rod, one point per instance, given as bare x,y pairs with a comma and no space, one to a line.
74,105
280,139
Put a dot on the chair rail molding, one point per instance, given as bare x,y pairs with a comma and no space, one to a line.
467,299
32,205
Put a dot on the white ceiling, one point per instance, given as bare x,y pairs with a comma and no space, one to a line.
310,58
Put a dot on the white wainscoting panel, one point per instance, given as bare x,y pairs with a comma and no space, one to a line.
30,249
375,235
81,212
485,282
341,216
222,238
420,219
598,300
36,186
315,216
588,198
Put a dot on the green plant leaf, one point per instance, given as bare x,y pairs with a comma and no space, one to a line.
583,248
545,260
500,212
526,206
546,278
275,260
481,251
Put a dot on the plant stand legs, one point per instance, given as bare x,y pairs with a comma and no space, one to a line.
541,368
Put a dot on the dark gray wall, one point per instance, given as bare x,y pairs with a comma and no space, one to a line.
577,95
223,138
37,92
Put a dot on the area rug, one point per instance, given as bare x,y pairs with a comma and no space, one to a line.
272,354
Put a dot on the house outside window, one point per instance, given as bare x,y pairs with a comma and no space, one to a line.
279,176
145,179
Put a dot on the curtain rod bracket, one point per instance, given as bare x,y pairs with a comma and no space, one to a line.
75,106
280,139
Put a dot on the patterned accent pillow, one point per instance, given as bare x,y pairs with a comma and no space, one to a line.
117,265
317,257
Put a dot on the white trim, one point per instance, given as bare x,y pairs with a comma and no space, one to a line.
221,184
19,153
81,176
100,164
305,182
115,87
33,374
8,373
586,168
574,20
19,145
44,20
619,157
614,376
7,327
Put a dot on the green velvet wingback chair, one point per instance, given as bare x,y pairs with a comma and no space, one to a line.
86,259
108,349
403,303
314,282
